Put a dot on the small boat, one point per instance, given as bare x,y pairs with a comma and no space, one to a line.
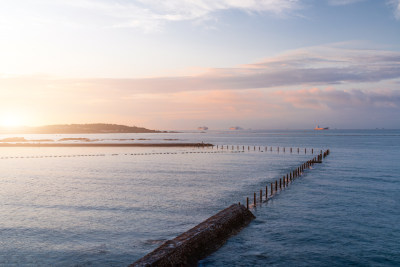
202,128
235,128
321,128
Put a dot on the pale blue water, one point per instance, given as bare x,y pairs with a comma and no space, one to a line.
117,204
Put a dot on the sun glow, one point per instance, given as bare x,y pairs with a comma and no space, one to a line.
11,119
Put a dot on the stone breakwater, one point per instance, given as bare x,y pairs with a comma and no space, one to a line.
197,243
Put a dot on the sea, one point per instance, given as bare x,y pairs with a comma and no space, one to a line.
110,206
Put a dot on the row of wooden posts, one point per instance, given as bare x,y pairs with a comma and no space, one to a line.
286,180
262,148
220,148
103,155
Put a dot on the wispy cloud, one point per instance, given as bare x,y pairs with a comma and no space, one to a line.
343,2
276,90
334,99
396,5
312,66
152,14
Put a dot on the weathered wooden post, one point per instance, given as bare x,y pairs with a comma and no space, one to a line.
247,202
266,192
312,151
291,150
255,199
260,196
280,184
276,186
272,189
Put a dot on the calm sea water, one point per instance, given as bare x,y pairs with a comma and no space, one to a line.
111,206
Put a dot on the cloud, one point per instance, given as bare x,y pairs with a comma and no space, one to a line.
343,2
334,99
304,67
313,66
151,15
148,15
396,5
287,89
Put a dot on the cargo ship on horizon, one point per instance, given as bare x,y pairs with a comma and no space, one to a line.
321,128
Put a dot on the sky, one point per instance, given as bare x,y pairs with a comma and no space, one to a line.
181,64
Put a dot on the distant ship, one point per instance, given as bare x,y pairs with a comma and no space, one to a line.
236,128
320,128
202,128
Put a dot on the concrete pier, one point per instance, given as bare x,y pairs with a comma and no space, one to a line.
197,243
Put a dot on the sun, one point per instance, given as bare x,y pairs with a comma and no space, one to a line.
11,119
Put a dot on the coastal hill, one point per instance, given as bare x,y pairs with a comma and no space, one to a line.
80,129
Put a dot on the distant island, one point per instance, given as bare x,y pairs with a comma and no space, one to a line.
79,129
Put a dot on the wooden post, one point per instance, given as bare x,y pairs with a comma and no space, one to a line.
260,195
280,184
266,192
305,150
272,189
255,199
247,202
283,181
277,149
276,186
312,151
291,149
